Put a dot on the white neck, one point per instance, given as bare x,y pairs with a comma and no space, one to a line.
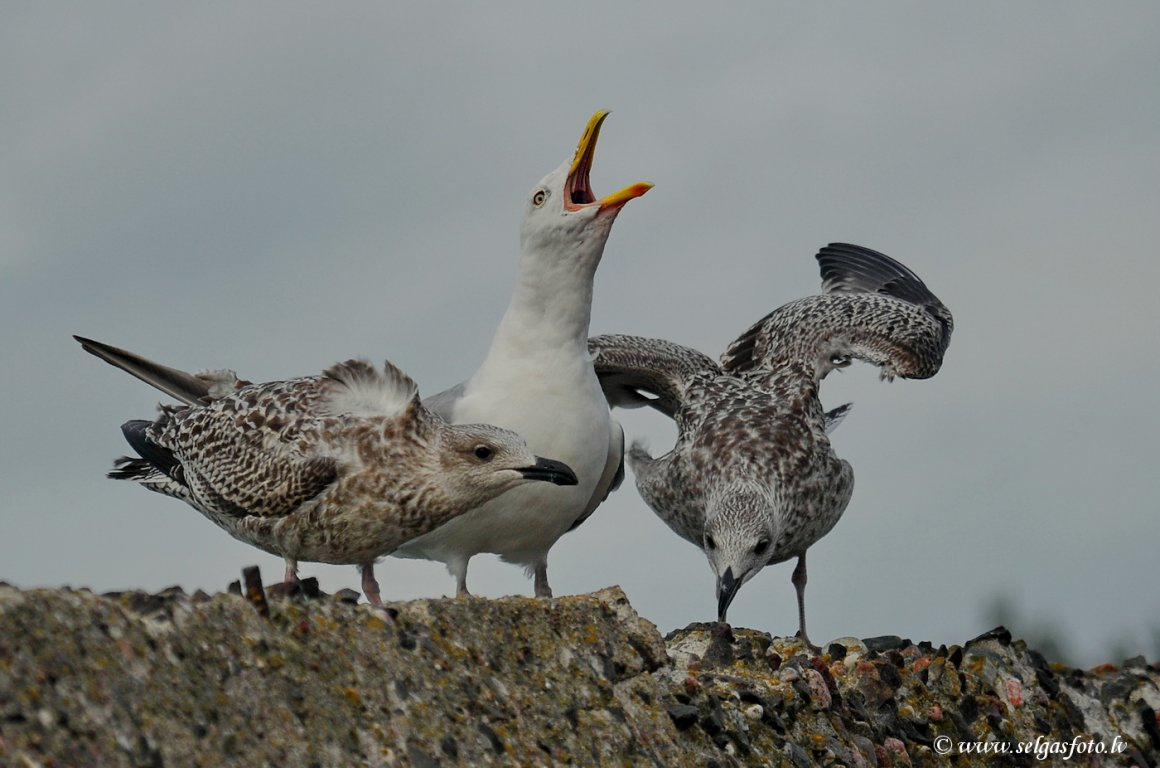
551,305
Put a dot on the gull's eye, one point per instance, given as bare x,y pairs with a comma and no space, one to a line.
483,452
710,543
761,548
539,197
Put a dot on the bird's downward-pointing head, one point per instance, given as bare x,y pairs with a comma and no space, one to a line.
563,214
739,539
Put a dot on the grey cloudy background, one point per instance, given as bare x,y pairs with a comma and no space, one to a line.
276,186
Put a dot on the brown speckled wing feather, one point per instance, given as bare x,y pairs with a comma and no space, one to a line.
249,455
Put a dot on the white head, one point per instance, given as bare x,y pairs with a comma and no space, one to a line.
481,461
740,537
562,217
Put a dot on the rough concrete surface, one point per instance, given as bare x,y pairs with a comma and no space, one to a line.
172,679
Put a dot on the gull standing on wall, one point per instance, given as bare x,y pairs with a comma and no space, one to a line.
753,479
336,468
537,379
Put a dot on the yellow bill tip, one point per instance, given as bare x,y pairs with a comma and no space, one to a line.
588,139
626,194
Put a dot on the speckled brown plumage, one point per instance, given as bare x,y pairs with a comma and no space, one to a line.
752,479
338,468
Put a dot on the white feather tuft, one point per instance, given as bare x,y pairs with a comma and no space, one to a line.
359,389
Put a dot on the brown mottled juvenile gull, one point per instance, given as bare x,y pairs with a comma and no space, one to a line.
752,479
337,468
537,379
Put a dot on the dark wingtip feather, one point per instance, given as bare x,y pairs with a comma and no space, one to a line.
129,468
151,453
856,269
94,347
188,388
836,416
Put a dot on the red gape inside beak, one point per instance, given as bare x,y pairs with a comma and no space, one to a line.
578,189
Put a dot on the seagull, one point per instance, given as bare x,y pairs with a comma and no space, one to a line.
339,468
537,379
753,479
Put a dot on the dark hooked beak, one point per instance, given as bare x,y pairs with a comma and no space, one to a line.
553,471
727,587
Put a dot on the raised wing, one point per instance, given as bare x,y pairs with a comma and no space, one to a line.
849,268
873,309
635,371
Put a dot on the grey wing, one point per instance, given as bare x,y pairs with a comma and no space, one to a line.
444,402
612,476
635,371
874,309
189,388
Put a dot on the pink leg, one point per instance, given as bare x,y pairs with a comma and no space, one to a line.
369,585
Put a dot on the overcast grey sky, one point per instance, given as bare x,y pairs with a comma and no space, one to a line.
274,187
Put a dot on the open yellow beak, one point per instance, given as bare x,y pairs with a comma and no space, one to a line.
586,149
626,194
578,189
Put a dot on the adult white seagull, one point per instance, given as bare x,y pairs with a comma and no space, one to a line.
537,379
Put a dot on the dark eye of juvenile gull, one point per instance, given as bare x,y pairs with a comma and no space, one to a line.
710,543
482,452
761,548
